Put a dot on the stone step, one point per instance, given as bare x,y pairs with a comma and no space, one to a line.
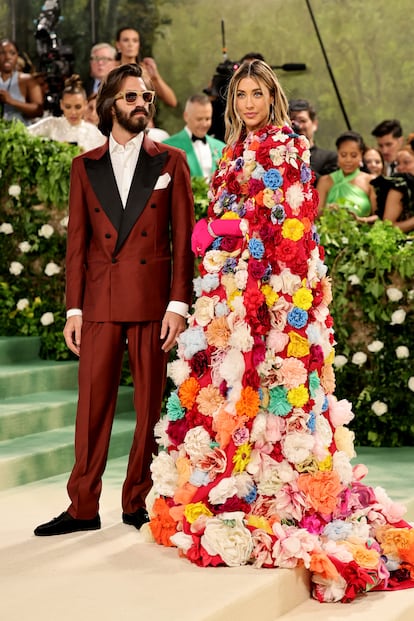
18,349
42,411
48,453
37,376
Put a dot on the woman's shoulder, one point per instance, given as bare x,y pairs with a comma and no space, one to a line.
25,81
366,175
90,127
401,182
325,181
363,179
25,77
44,123
398,181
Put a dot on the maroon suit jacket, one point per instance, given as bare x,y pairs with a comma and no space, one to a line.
127,264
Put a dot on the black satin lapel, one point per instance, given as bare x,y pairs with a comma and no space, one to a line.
102,179
147,171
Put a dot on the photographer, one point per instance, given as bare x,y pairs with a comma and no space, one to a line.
20,95
56,61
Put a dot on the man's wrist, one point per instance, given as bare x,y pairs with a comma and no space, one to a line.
73,312
181,308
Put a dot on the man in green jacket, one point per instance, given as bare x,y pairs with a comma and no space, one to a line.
203,151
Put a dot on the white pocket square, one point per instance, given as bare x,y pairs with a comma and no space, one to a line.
162,182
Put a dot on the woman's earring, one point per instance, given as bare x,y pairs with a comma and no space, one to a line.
272,112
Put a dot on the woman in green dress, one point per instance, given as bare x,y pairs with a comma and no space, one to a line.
349,186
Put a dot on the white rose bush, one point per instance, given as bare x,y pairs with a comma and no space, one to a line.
373,277
34,188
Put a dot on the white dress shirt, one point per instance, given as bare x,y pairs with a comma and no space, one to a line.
124,161
203,154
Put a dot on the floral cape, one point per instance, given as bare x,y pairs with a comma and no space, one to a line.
255,460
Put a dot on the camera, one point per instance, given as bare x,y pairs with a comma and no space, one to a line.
221,78
217,91
48,18
56,61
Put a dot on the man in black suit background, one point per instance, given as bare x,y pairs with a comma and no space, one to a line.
389,137
304,120
102,60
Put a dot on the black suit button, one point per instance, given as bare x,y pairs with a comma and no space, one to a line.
144,233
153,205
143,261
108,235
97,209
114,260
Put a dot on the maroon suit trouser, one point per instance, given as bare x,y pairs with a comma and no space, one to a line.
100,364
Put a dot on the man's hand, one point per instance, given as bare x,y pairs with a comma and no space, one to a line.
172,325
72,333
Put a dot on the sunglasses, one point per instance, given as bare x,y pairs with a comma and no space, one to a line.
102,59
131,96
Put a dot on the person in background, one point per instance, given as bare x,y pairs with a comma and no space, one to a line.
304,120
395,194
202,151
128,45
373,162
156,133
20,95
389,135
129,271
348,186
91,116
101,62
71,127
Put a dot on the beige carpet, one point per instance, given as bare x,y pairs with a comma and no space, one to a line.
115,575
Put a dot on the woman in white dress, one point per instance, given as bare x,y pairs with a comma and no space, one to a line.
71,127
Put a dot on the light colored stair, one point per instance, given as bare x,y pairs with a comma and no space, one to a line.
37,414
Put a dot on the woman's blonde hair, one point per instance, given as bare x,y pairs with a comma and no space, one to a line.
262,73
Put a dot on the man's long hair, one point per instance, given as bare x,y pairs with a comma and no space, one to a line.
109,89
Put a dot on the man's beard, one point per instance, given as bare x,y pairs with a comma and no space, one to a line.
132,123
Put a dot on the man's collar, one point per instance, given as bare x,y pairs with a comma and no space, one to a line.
135,143
193,137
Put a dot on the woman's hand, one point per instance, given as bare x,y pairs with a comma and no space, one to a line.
205,232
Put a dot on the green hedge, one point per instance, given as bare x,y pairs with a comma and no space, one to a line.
372,269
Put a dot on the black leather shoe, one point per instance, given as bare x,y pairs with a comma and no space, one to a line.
137,519
65,523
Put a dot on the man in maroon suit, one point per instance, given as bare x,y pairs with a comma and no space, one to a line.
129,270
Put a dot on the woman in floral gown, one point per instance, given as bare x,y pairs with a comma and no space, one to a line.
254,463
